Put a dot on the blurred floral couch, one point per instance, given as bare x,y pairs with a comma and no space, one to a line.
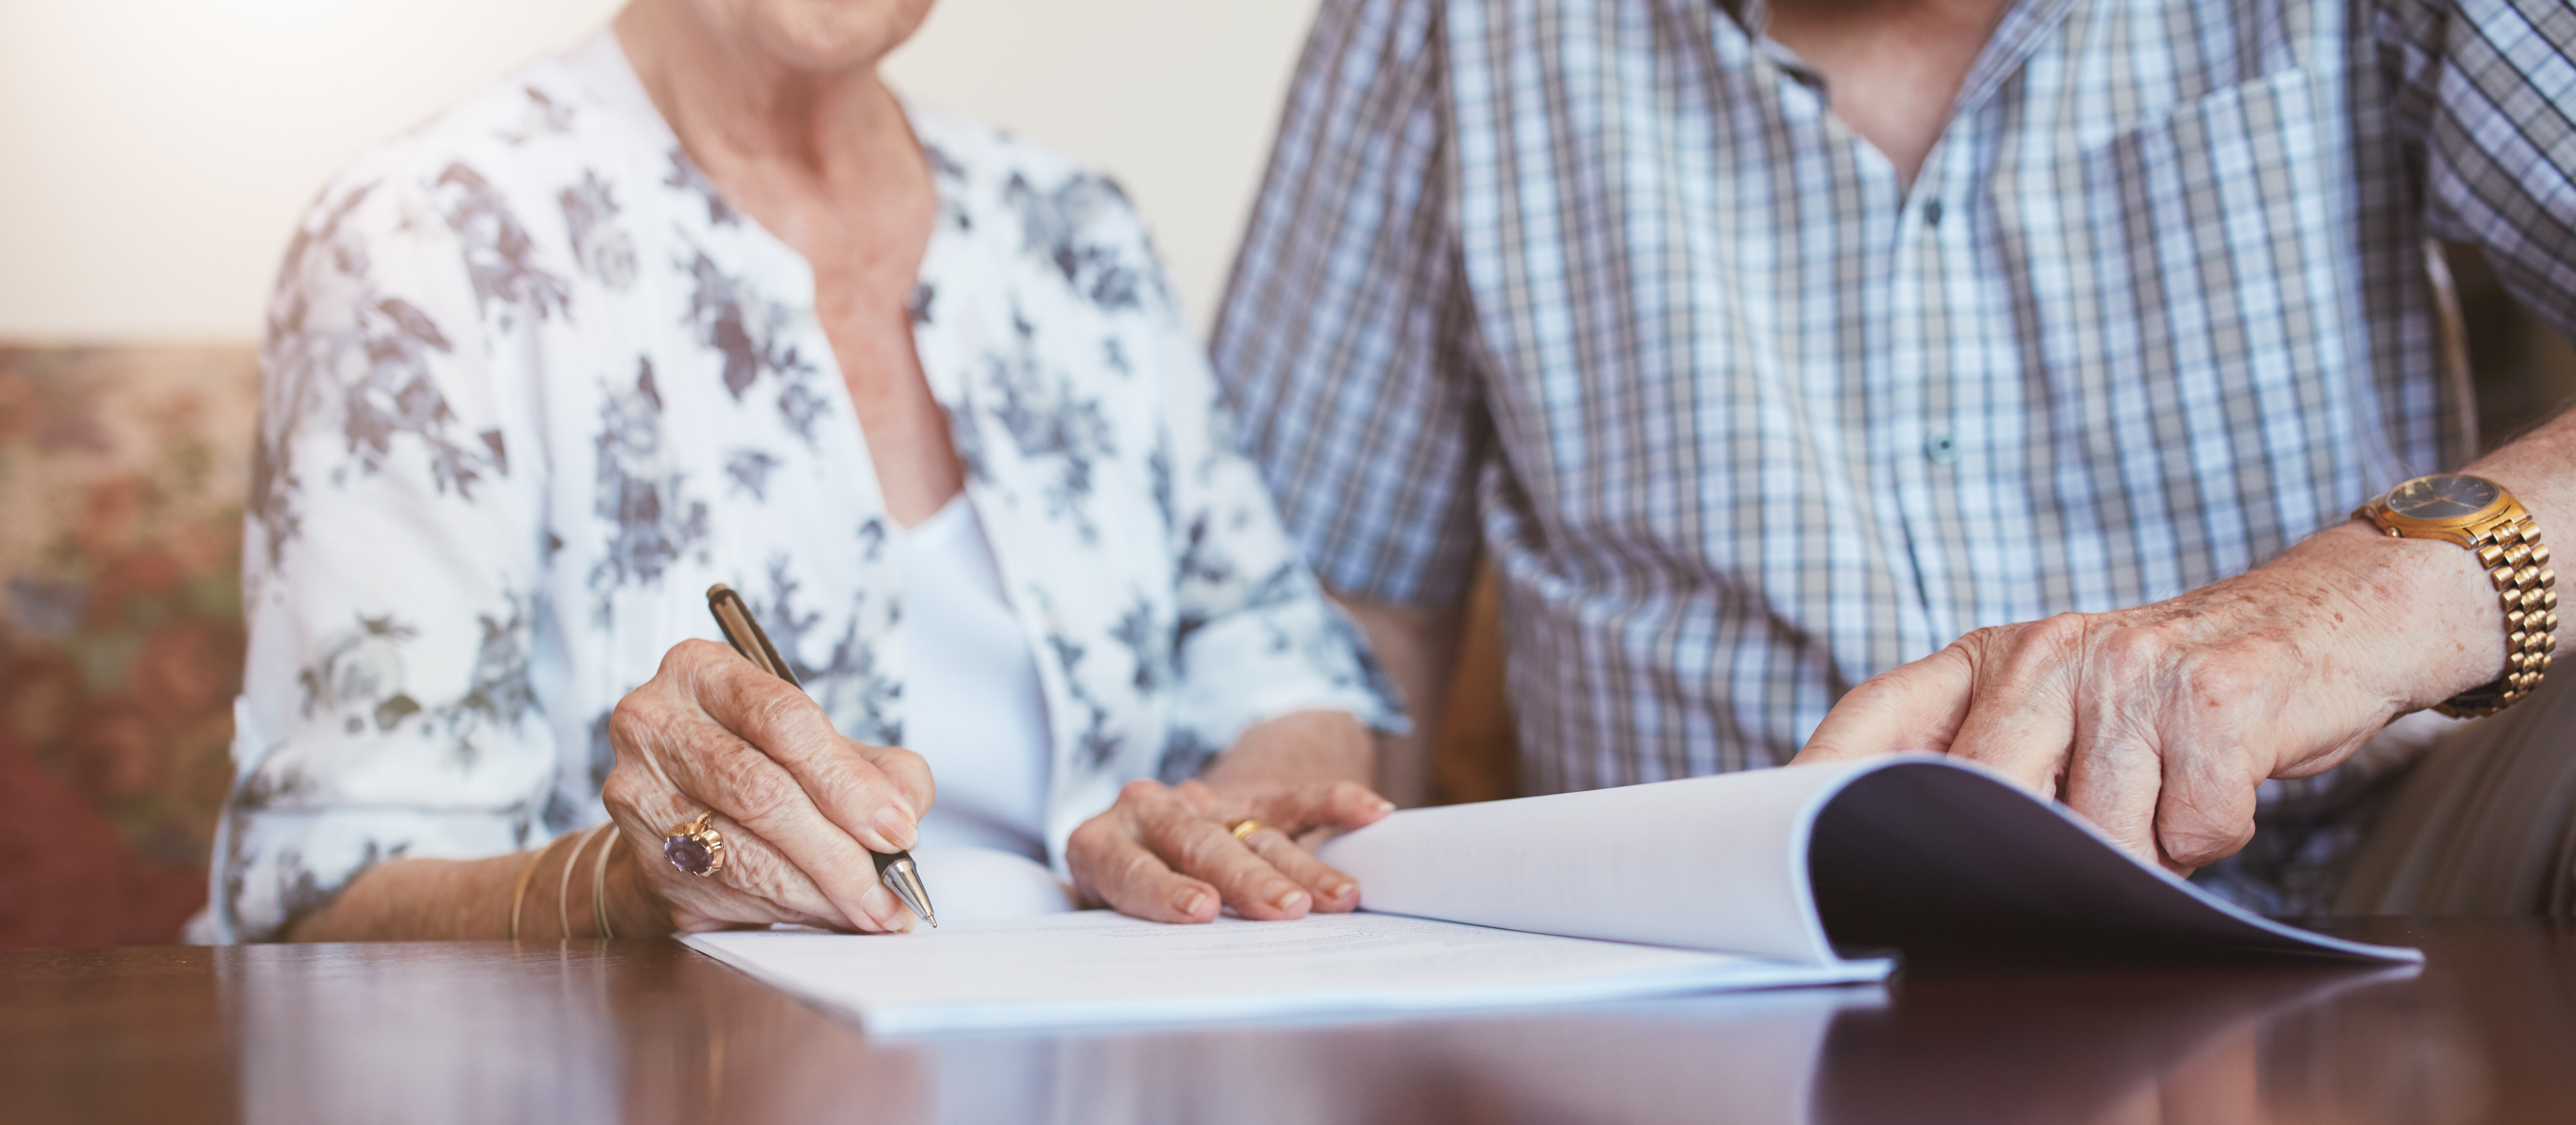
122,472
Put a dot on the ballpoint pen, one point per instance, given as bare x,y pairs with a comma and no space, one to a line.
895,869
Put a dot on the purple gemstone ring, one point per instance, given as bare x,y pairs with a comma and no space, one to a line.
695,847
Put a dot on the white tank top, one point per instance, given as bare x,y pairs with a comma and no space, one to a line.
972,703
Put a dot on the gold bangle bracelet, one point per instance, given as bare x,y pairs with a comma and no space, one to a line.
563,886
599,883
519,895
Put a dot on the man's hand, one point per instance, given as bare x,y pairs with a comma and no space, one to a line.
2156,723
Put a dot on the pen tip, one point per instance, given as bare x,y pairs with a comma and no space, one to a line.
905,880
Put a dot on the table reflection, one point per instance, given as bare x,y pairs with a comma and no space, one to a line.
2106,1048
646,1031
383,1033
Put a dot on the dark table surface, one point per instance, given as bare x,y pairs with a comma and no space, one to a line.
650,1031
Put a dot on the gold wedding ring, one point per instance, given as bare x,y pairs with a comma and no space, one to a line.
1243,826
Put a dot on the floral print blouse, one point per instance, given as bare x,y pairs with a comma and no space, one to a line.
531,385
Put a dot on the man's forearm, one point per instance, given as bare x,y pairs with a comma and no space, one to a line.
2539,468
2434,595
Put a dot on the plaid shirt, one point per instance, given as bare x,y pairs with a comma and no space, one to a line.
1741,418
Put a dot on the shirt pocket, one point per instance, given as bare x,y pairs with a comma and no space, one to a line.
2220,298
2242,169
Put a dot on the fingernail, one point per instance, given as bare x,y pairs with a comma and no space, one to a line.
1343,890
896,826
881,905
1189,901
1384,805
1289,902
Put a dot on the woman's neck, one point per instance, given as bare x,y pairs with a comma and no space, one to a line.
780,140
823,158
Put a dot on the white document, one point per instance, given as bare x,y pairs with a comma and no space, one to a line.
1707,863
1802,875
1098,968
1919,852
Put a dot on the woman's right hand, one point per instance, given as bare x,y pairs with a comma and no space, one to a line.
800,807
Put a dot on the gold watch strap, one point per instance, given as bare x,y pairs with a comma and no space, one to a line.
2518,564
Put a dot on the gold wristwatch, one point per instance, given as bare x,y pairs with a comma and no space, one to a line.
2480,515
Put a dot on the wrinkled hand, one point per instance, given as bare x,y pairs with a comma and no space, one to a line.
800,806
2156,723
1164,852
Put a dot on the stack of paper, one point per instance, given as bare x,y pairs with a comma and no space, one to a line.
1101,968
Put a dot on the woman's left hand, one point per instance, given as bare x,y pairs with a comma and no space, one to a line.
1166,853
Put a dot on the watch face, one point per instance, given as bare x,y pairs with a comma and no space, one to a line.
2442,498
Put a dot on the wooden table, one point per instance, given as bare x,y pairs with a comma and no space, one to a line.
650,1031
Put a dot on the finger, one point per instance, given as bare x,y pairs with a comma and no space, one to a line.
2021,707
1111,863
1298,809
651,729
709,764
694,904
669,754
908,772
1915,706
839,778
756,793
1332,892
760,884
2114,776
756,886
1295,817
1195,844
1294,809
2205,810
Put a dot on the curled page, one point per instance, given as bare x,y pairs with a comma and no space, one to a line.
1704,863
1916,852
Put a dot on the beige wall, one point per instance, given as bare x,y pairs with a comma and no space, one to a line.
154,154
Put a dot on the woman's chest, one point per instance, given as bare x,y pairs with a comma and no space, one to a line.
706,427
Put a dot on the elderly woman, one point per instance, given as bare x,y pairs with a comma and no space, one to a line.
703,301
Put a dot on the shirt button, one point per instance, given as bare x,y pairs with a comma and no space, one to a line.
1942,448
1932,212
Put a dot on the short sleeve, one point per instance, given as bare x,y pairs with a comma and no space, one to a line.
1343,339
390,570
2487,88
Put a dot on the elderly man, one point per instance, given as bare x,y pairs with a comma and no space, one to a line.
1990,376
